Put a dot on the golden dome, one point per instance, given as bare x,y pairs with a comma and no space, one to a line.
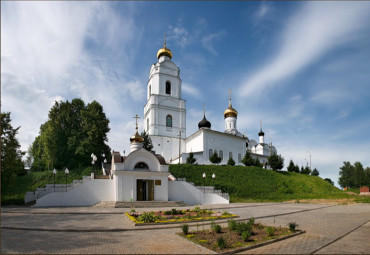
230,111
164,52
136,138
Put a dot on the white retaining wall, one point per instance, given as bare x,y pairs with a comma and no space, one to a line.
184,191
88,193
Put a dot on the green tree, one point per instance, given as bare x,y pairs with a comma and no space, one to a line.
11,155
346,175
296,169
231,162
359,175
329,181
276,162
291,167
367,176
306,170
315,172
72,132
147,143
190,159
248,160
257,163
214,158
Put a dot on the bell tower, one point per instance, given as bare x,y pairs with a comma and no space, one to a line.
164,111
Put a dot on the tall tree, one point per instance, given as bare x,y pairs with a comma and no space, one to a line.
291,167
329,181
276,162
231,162
346,175
367,176
359,174
147,143
190,159
248,160
11,155
306,170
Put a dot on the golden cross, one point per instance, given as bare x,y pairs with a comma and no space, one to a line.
136,117
230,94
164,43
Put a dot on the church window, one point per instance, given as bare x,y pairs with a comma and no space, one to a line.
141,165
230,155
210,152
169,121
239,157
221,155
168,88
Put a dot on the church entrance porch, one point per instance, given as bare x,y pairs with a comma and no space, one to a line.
145,190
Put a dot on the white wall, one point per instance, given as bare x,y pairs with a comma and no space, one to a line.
86,194
183,191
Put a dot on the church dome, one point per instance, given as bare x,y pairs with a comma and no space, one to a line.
230,112
164,51
261,133
204,123
136,138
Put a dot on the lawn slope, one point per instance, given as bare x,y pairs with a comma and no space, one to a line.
257,184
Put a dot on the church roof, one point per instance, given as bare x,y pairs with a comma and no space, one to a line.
204,123
164,51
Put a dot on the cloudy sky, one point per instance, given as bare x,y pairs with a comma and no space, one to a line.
301,67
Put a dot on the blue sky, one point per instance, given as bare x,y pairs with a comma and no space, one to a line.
301,67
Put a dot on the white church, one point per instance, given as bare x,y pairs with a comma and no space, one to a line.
165,122
143,175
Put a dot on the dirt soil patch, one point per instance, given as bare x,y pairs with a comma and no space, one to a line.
210,239
341,201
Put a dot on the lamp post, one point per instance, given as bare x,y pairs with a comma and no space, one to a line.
204,182
66,172
94,159
310,158
213,178
54,172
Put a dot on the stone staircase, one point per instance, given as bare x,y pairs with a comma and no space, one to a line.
140,204
208,189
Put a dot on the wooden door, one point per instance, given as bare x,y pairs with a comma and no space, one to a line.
150,190
139,190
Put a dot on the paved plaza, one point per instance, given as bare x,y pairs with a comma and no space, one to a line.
81,230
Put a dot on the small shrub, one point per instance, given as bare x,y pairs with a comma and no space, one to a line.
185,229
221,242
260,226
251,221
270,231
216,228
242,226
197,209
232,224
292,226
246,235
132,210
147,217
226,213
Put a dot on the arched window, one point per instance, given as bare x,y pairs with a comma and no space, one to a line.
221,155
210,152
239,157
230,155
147,125
141,165
169,121
168,88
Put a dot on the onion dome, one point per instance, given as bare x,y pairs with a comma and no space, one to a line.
204,123
164,51
230,111
261,133
136,138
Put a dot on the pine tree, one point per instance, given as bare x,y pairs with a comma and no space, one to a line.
291,167
231,162
248,160
276,162
214,158
315,172
147,143
190,159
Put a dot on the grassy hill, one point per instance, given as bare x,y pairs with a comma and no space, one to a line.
257,184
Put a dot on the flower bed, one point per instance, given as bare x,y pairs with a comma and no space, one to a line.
238,236
175,216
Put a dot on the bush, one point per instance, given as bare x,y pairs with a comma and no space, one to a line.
216,228
221,242
292,226
270,231
173,212
246,235
232,224
226,213
242,226
147,217
197,209
231,162
185,229
251,221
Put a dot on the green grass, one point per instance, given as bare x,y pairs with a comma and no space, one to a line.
13,193
250,184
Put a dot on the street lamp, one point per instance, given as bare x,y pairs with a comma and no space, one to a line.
310,158
66,172
94,159
54,172
204,182
213,178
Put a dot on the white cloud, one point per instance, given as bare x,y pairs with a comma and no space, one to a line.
191,90
208,41
263,9
315,30
178,34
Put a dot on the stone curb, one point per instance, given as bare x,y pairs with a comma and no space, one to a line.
298,232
